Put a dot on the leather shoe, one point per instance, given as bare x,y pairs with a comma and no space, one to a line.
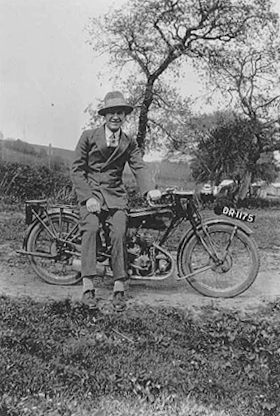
119,302
89,299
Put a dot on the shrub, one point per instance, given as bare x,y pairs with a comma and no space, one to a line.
21,182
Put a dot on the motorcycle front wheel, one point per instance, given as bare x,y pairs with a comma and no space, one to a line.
57,265
232,274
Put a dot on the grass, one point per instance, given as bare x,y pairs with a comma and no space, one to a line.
145,361
113,407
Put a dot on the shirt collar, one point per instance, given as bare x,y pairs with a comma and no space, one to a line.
108,133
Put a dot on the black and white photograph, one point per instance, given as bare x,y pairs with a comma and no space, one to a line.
140,208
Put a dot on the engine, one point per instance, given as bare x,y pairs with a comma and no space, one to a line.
144,258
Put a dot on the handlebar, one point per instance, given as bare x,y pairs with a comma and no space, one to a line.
187,194
170,192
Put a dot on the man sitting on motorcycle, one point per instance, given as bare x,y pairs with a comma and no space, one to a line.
100,157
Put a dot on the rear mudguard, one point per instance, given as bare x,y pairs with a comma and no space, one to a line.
34,223
213,221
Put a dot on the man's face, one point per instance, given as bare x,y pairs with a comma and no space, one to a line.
115,119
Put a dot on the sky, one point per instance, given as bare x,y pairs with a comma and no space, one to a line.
48,73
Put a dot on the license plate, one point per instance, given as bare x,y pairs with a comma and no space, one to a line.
235,214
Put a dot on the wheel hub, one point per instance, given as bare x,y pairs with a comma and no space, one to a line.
223,267
58,251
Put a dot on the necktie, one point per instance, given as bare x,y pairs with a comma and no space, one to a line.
113,141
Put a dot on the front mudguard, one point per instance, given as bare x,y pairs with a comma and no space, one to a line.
211,221
229,221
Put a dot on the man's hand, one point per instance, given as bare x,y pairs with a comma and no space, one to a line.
93,205
154,194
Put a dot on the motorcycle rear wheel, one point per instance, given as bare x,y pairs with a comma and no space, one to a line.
57,271
229,279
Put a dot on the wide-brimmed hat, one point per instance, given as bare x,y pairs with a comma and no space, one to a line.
112,100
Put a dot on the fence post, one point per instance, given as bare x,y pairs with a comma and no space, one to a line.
49,155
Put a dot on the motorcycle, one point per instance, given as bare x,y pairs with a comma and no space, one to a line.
217,256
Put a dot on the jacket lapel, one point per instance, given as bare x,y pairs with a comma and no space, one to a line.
120,149
101,143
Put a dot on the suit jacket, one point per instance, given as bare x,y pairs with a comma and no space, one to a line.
97,172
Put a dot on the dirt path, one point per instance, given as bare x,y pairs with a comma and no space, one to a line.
17,279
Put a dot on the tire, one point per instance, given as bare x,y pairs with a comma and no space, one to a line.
59,271
234,276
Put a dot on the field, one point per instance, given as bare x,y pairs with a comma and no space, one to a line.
171,353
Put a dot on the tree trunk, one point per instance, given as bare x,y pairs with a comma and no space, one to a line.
143,118
245,185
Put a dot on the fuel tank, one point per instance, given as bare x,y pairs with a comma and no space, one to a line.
154,218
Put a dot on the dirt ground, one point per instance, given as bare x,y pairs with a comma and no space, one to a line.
17,279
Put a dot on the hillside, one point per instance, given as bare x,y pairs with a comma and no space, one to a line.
164,173
65,154
18,151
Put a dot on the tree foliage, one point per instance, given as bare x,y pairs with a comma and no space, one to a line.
250,75
152,39
232,151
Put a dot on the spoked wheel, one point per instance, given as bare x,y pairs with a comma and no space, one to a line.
232,274
57,265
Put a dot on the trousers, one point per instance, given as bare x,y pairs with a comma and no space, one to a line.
89,226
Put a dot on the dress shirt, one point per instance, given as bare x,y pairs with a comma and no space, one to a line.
109,135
